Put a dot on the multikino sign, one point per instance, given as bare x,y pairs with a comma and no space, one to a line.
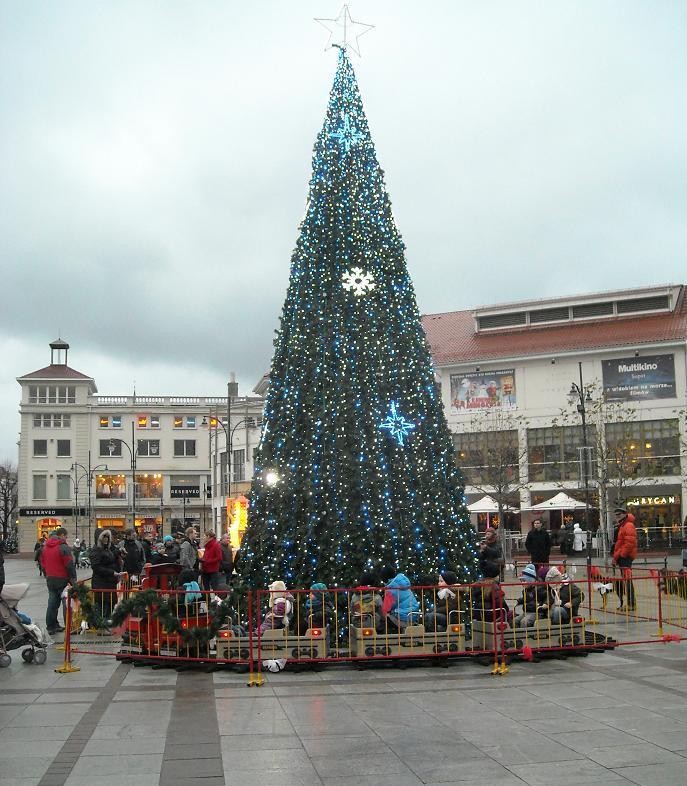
674,500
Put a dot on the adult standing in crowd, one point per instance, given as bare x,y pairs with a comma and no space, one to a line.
106,573
172,550
2,568
624,553
132,554
227,565
211,562
538,544
188,553
37,550
58,566
490,551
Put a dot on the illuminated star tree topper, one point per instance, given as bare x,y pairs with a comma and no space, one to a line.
344,32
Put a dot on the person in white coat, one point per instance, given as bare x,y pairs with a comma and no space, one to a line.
578,538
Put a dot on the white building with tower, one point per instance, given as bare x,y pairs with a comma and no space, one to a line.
88,461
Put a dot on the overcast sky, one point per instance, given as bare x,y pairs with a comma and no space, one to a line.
155,156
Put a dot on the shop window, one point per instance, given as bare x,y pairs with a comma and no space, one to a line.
238,469
40,486
647,448
64,447
553,453
149,486
148,447
488,457
110,487
40,448
184,447
64,487
110,447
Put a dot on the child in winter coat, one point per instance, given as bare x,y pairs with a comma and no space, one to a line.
319,609
487,599
446,602
533,601
280,606
400,607
188,604
366,604
564,597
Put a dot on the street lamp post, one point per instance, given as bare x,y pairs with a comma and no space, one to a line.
132,452
579,397
88,475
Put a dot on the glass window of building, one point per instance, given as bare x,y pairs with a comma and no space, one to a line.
238,469
110,447
178,421
154,421
40,486
553,453
190,421
110,486
64,487
52,394
40,448
184,447
648,448
148,447
52,420
64,447
149,486
488,458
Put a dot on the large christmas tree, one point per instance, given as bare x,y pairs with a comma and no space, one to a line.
355,466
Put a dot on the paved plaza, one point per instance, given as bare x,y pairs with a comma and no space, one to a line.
615,718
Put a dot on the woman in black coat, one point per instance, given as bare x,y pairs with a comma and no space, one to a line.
105,567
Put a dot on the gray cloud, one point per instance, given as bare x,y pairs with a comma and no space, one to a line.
156,155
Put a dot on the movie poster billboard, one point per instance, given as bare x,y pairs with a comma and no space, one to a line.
483,389
639,379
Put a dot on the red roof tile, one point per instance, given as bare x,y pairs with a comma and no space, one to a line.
453,339
55,371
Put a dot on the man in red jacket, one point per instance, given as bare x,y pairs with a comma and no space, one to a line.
57,561
624,552
210,564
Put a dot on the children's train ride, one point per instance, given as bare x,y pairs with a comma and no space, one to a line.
344,634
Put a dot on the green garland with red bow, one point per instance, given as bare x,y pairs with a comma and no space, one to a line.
145,602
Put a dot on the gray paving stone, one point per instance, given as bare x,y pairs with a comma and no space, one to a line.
266,742
123,779
395,779
665,774
632,755
192,768
569,773
24,766
125,764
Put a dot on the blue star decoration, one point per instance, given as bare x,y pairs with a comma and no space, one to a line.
397,425
347,134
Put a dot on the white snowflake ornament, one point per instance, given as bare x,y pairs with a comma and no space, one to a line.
358,281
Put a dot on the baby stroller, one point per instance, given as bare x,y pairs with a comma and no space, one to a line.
17,630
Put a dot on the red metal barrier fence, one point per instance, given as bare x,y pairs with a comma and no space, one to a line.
268,629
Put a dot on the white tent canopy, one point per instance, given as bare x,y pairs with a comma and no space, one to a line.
560,502
489,505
